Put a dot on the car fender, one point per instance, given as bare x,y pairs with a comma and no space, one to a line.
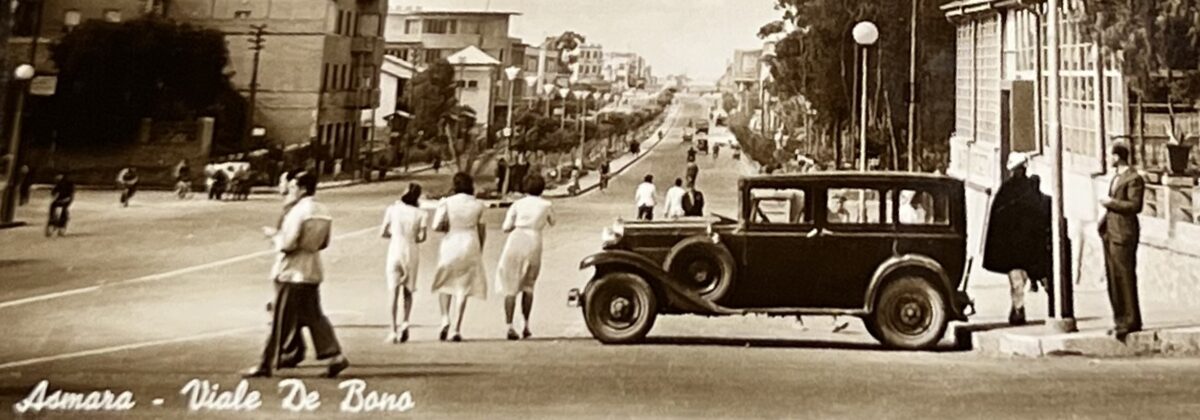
678,297
899,262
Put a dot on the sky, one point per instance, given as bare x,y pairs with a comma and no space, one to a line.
674,36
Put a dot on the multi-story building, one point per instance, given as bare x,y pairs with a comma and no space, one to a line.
747,66
591,63
42,23
423,36
624,70
1000,97
318,71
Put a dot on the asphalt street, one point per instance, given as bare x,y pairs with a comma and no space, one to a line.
149,297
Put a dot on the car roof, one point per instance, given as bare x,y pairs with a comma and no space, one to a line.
851,176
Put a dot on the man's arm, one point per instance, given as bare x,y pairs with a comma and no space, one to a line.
1132,202
288,237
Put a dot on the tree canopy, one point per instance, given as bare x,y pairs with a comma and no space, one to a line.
111,75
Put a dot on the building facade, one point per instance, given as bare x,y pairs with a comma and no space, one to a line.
1000,100
591,63
747,65
624,70
318,71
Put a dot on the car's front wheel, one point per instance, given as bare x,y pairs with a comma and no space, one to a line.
619,308
910,314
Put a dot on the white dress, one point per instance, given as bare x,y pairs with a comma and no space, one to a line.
460,257
403,225
521,260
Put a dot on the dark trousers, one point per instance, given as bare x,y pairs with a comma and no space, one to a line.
59,215
645,213
298,306
1120,263
127,193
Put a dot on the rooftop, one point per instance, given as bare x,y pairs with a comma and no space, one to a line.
423,12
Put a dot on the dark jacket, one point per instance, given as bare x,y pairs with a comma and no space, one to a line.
1120,222
693,203
1018,231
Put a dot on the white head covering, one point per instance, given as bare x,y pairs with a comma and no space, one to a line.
1016,160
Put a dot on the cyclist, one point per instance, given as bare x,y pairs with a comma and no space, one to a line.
60,203
127,180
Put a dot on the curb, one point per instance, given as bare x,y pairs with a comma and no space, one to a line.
1025,342
644,151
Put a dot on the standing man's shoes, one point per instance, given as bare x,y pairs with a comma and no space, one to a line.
339,364
290,363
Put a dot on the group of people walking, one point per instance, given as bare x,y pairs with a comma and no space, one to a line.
304,230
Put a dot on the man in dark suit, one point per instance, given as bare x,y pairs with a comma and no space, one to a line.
1120,231
693,201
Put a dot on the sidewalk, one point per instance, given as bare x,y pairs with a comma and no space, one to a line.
591,181
1168,329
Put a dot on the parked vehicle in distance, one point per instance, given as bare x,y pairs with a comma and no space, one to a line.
842,243
702,126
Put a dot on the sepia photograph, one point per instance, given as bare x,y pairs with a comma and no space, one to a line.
617,209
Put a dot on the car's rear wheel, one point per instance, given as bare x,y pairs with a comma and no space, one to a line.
704,267
619,308
910,314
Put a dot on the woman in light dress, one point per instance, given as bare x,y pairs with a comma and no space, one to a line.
460,272
404,225
521,260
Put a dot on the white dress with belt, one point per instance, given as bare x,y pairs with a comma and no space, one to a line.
403,224
460,258
521,260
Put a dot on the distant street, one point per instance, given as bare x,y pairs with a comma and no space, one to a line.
149,297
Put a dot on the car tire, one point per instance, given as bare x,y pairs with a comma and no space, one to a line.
910,313
703,266
619,308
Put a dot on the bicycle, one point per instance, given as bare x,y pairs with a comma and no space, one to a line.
57,220
183,189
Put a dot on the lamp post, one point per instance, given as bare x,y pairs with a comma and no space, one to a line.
23,73
531,87
1064,319
865,34
583,97
564,93
511,73
548,90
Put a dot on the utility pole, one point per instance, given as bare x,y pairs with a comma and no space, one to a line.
256,45
913,96
1065,319
9,160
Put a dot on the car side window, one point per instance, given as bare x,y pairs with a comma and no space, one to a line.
923,207
857,206
780,206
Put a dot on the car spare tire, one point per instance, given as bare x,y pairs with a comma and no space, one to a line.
703,267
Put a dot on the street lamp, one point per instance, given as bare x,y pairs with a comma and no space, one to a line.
564,93
548,90
23,73
583,96
865,34
511,73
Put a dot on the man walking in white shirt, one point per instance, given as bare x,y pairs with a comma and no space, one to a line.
645,198
305,231
675,200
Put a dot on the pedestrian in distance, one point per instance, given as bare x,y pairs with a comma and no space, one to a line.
502,172
692,172
25,184
1121,232
716,151
61,198
645,198
693,201
604,174
297,275
1016,239
127,181
437,163
404,226
460,274
674,200
521,259
220,182
183,179
573,187
691,154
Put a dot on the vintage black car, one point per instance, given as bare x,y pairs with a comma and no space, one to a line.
889,248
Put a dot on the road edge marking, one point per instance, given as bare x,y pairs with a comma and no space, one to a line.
123,347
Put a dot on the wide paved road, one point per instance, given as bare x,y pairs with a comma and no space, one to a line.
147,298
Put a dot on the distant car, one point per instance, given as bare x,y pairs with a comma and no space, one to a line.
810,244
702,144
702,126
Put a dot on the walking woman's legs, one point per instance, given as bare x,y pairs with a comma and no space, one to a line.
407,306
444,301
526,309
510,306
395,295
461,309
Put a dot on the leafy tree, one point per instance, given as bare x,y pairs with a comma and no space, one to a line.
566,45
111,75
729,102
439,118
818,61
1155,43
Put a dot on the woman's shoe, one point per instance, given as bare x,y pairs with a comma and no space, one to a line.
391,338
526,334
445,332
512,335
404,335
457,338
